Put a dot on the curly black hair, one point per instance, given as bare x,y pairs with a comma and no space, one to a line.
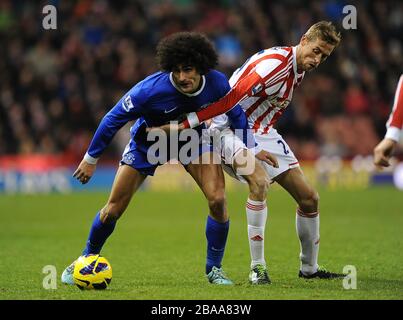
186,49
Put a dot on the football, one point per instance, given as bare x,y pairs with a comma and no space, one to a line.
92,272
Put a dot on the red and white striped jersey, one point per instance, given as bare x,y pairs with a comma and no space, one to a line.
395,123
278,69
263,86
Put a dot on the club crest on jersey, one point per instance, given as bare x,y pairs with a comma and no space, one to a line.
127,103
256,89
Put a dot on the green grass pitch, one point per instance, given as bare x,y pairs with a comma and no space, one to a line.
158,248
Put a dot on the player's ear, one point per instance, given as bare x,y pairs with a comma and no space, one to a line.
303,40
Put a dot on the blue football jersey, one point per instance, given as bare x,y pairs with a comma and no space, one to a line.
156,101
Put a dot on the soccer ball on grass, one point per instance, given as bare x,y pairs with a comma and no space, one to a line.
92,272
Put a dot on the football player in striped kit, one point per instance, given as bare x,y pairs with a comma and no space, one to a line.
384,149
264,86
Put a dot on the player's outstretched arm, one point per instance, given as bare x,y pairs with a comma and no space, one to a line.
238,93
84,171
225,104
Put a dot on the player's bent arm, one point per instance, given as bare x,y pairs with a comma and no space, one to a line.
101,139
123,112
116,118
238,93
385,148
106,130
395,122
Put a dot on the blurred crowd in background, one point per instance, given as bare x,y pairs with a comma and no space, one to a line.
56,85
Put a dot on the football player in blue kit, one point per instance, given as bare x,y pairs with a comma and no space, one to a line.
186,83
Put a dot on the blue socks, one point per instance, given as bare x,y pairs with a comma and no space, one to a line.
216,234
98,234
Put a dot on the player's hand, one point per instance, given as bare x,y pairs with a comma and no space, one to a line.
167,128
267,157
383,152
84,171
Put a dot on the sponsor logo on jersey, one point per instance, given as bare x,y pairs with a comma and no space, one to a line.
281,105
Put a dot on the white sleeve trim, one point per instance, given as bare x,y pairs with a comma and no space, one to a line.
89,159
393,133
193,120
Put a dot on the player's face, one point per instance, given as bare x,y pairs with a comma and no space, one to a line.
186,78
313,53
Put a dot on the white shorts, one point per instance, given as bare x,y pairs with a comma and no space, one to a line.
271,142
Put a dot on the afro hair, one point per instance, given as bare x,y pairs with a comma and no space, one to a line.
186,49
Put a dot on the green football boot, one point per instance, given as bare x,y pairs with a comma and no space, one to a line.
258,275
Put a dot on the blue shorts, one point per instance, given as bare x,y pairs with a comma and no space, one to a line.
139,156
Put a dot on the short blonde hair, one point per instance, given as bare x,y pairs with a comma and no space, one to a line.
324,30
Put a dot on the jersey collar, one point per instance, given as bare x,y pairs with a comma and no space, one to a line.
294,62
203,79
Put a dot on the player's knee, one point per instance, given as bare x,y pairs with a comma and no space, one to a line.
216,204
112,212
310,202
259,186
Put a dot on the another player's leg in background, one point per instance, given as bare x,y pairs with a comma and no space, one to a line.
210,179
126,183
307,222
256,213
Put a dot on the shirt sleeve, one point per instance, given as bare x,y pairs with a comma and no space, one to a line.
395,123
236,116
238,93
266,76
130,107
